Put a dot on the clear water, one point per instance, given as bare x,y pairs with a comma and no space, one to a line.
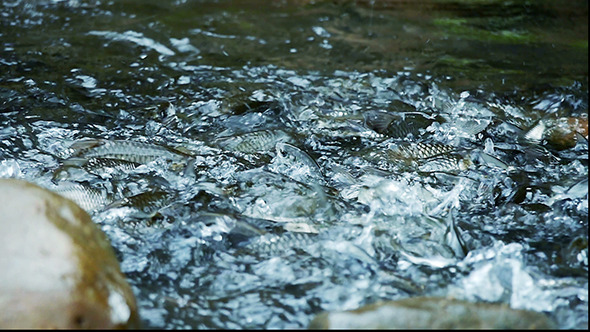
290,204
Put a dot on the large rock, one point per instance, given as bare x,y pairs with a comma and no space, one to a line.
432,313
57,268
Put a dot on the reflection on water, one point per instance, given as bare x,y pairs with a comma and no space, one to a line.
255,163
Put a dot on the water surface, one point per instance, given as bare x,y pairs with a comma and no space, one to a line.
287,201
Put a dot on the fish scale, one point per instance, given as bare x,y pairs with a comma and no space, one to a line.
420,150
256,141
447,163
86,197
97,164
130,151
397,125
277,244
146,202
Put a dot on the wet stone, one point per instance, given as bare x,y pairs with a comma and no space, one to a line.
58,268
432,313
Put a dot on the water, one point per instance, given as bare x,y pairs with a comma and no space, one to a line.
285,203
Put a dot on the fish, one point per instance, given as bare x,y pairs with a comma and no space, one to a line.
276,244
103,167
255,141
429,157
419,150
490,161
453,238
576,191
446,163
297,163
146,202
90,199
309,202
531,152
426,252
441,246
243,102
299,155
246,228
470,126
398,125
130,151
417,156
339,177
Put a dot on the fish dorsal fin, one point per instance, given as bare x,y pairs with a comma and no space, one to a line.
83,145
378,120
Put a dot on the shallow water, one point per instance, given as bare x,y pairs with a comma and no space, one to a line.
285,200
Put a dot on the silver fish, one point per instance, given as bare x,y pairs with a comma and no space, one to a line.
470,126
97,166
256,141
426,157
426,252
340,177
441,246
88,198
416,151
446,163
576,191
398,125
453,239
278,244
489,160
295,157
131,151
532,152
146,202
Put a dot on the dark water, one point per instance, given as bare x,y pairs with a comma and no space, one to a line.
291,202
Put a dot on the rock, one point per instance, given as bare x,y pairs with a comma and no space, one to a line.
559,134
58,269
432,313
563,134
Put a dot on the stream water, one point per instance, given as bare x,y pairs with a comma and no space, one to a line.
255,163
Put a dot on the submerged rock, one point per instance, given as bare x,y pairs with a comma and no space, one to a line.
58,268
432,313
559,134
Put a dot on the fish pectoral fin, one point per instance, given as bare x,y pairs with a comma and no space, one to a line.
74,161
